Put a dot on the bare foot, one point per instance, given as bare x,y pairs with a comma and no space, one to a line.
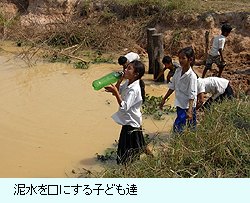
148,152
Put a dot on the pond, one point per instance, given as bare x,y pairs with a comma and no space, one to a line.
52,122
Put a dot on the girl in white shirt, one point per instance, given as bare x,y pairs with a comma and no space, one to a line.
184,83
130,95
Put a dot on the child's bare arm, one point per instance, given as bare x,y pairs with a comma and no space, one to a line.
160,74
170,91
168,78
200,100
113,89
221,55
189,113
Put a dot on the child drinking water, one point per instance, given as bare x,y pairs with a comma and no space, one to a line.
184,83
130,95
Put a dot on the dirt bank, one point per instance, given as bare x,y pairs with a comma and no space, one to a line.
118,27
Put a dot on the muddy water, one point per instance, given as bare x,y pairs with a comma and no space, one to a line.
53,122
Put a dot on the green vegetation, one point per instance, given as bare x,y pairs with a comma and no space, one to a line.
65,39
56,59
94,59
151,107
81,65
102,59
219,148
109,155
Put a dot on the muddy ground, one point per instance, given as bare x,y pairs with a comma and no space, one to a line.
118,28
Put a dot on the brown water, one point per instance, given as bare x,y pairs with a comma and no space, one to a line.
53,122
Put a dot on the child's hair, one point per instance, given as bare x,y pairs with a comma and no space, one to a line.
189,52
167,59
122,60
139,67
226,28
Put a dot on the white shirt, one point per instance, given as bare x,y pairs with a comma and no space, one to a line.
131,56
218,43
185,87
129,113
214,85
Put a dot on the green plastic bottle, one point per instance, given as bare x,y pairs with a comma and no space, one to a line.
106,80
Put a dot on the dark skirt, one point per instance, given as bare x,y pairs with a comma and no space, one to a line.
131,144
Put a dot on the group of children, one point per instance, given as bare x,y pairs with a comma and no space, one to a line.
189,94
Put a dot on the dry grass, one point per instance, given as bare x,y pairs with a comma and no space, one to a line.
114,28
220,148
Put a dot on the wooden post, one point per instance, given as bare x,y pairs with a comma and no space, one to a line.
158,55
150,49
207,43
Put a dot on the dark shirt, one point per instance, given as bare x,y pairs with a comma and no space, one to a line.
175,66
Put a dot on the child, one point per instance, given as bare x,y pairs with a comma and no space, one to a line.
172,66
125,60
218,87
215,55
184,83
130,95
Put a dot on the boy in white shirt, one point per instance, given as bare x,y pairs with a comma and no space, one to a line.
218,87
125,60
215,55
